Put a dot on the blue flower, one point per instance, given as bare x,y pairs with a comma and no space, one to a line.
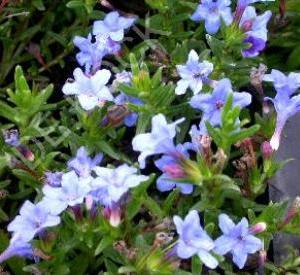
53,179
112,26
256,46
112,183
194,240
285,102
213,13
193,74
72,192
237,239
131,119
172,170
282,83
17,247
90,90
212,104
11,137
255,27
32,220
82,164
92,53
159,141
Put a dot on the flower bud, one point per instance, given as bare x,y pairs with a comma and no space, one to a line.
26,152
267,150
89,202
258,228
292,212
113,215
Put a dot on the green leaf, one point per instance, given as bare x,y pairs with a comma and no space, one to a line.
20,81
75,4
133,207
104,243
196,265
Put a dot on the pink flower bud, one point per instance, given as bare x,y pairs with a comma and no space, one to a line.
89,202
267,150
262,258
258,228
113,215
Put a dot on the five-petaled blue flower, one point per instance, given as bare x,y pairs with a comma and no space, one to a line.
159,141
92,52
213,12
237,239
90,90
33,219
193,74
286,103
112,183
72,192
173,172
82,164
255,27
212,104
112,26
194,240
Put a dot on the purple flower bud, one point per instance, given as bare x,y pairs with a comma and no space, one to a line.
267,150
26,152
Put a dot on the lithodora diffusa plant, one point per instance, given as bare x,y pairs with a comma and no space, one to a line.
154,156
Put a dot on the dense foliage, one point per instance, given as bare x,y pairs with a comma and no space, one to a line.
140,138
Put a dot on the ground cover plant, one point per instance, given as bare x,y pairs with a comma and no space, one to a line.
141,137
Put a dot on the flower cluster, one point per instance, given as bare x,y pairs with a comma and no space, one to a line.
91,87
69,190
193,172
237,239
254,27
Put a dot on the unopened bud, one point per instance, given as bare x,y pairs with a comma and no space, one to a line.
262,257
258,228
26,152
113,215
89,202
292,212
267,150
